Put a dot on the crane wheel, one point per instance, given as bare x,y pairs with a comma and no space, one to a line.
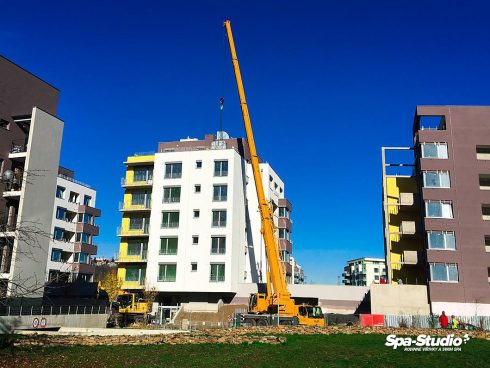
250,321
285,322
262,322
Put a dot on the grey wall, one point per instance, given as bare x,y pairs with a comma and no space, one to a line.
36,204
69,320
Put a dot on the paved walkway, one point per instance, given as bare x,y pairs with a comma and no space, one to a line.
76,331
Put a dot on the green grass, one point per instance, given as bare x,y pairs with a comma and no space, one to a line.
299,351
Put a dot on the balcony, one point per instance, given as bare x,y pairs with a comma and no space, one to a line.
408,228
85,248
286,245
410,257
87,228
284,223
288,268
124,258
18,150
133,285
89,210
129,207
408,200
132,184
13,186
8,225
126,231
83,268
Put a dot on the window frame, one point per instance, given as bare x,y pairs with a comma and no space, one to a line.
167,249
431,272
168,224
220,223
220,197
165,277
426,173
444,234
221,172
170,174
220,245
438,145
441,202
217,276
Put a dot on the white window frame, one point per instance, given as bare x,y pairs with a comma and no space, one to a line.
168,223
220,197
444,233
166,250
165,279
221,242
440,175
221,222
447,272
439,148
173,175
449,203
221,172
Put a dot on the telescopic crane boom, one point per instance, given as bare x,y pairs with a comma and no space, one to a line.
278,300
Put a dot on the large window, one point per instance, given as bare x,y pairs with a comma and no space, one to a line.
170,219
168,245
173,170
444,272
283,212
137,248
284,234
60,213
85,218
441,240
135,274
436,179
87,200
285,256
219,218
58,233
171,194
82,238
81,257
167,272
441,209
140,198
221,168
60,192
136,223
142,174
218,245
434,150
217,272
56,255
220,193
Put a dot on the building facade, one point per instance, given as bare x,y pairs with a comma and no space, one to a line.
437,223
191,225
364,271
72,246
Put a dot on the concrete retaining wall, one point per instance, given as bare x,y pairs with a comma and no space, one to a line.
50,321
399,299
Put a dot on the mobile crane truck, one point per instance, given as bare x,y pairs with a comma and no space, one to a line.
276,306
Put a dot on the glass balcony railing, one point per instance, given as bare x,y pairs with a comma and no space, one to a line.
130,206
127,231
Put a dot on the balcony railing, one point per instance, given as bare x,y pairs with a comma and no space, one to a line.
129,206
217,278
170,225
8,223
18,146
126,231
122,257
127,183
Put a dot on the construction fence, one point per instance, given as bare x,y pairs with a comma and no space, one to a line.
428,321
47,310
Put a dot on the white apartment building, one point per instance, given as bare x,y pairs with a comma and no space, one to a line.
200,235
364,271
73,230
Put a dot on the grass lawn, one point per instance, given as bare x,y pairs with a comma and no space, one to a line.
299,351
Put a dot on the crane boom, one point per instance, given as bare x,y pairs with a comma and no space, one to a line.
277,276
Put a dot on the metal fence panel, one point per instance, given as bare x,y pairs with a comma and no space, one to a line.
425,321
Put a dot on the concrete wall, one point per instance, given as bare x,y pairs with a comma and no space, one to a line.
69,320
399,299
332,298
30,253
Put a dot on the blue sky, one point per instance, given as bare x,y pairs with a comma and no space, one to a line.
328,83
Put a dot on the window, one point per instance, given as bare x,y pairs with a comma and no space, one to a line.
197,188
56,255
436,179
135,274
1,166
195,240
219,218
87,200
284,256
81,257
198,164
376,270
167,272
168,245
483,152
173,171
4,124
220,168
283,212
85,218
444,272
217,272
284,234
376,277
171,194
485,211
139,198
484,181
82,238
439,209
60,192
218,245
487,243
434,150
142,174
60,213
136,223
220,193
196,213
441,240
193,267
137,248
58,233
170,219
73,197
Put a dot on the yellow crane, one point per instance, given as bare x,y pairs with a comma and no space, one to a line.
275,306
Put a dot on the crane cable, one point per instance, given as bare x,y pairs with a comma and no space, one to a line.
221,99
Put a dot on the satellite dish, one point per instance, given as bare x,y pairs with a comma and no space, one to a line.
8,176
222,135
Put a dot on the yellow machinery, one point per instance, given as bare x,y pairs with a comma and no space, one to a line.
131,309
275,306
